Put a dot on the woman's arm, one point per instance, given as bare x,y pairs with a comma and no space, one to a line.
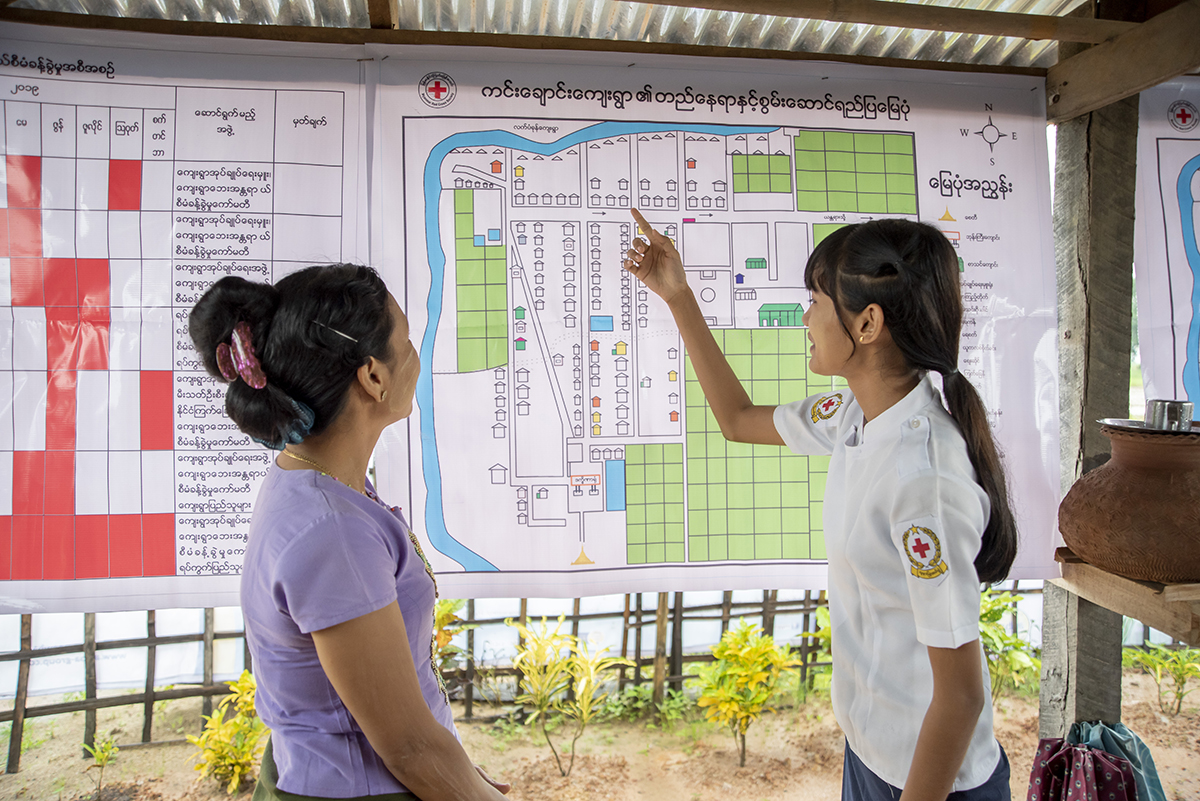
958,698
657,264
368,661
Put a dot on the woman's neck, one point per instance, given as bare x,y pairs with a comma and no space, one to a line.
878,390
343,450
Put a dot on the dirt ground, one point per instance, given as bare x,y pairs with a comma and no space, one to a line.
793,755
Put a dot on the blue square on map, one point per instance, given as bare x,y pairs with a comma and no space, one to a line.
600,323
493,234
480,241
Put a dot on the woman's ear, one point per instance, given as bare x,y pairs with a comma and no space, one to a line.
869,325
372,378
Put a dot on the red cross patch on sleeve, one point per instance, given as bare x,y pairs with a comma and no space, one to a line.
824,407
924,552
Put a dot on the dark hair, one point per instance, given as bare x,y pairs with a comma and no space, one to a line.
303,329
911,270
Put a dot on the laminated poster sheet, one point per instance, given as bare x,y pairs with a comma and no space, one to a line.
561,445
137,170
1166,254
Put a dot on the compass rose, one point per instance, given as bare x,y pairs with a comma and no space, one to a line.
991,134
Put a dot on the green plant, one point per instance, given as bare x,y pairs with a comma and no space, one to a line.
1012,661
630,704
737,687
1172,667
822,635
446,625
103,752
674,708
551,664
231,749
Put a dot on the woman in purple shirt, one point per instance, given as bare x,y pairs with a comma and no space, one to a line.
337,596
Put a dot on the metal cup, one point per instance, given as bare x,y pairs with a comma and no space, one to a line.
1169,415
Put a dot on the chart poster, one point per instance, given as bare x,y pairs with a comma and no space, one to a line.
561,445
137,171
1166,254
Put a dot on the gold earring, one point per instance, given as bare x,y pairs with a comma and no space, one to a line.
861,337
383,396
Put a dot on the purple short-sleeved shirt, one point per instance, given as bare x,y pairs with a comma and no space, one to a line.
321,554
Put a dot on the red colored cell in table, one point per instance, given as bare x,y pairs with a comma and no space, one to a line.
5,547
158,411
93,280
29,481
62,338
60,470
58,559
124,185
25,233
27,284
61,282
125,545
24,179
27,547
158,544
91,546
94,326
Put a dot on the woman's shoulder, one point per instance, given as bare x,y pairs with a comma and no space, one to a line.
296,504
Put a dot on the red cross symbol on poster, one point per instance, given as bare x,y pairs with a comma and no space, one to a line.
437,89
1184,116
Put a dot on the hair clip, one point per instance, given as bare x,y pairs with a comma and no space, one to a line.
237,358
334,330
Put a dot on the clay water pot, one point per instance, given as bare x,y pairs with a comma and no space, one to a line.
1138,515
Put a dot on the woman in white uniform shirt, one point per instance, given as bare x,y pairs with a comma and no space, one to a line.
916,508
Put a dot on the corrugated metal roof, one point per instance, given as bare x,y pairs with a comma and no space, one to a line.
616,20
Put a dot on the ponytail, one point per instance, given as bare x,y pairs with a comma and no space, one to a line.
999,546
911,270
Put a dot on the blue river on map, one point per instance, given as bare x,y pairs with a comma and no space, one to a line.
435,520
1187,215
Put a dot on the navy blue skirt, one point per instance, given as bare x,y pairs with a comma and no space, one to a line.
860,784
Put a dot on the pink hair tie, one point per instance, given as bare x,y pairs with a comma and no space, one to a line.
240,359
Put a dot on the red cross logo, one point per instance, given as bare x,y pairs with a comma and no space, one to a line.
829,405
1183,115
437,89
920,547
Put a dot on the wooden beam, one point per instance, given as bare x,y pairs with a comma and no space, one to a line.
1155,51
923,17
382,13
358,36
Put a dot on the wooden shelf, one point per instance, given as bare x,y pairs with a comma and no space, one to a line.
1173,609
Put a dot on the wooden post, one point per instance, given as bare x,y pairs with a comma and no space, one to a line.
660,651
726,611
575,636
1093,233
210,624
677,643
804,638
89,680
524,618
17,732
148,707
637,637
770,597
469,689
624,645
1081,662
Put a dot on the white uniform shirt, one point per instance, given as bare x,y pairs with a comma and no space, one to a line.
903,521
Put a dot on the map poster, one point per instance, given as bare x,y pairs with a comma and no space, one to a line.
561,445
137,171
1166,254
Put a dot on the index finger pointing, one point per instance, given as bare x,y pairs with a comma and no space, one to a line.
646,227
